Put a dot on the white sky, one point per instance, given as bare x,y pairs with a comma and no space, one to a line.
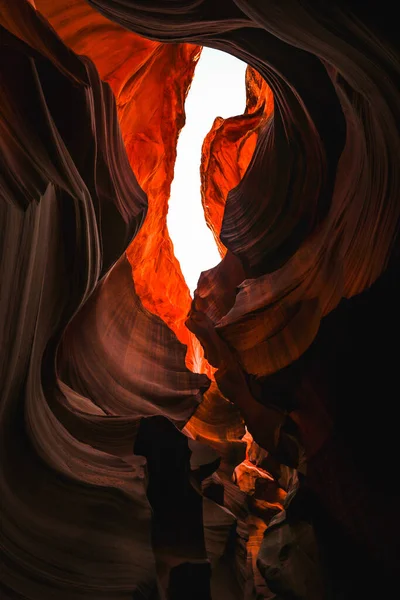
217,90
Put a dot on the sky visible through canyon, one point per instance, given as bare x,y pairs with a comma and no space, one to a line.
217,90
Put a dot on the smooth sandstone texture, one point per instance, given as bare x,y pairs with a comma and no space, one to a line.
106,407
150,81
76,521
316,214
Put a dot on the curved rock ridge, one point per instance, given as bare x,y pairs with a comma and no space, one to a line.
318,205
150,81
114,482
144,372
140,72
228,149
76,521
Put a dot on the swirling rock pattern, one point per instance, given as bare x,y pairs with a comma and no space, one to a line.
228,149
150,81
70,206
301,193
318,179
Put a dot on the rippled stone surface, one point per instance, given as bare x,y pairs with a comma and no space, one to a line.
107,402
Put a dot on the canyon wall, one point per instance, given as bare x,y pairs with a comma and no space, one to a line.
124,471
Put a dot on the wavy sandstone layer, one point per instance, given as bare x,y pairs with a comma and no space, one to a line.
124,471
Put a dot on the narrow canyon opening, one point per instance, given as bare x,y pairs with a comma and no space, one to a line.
218,90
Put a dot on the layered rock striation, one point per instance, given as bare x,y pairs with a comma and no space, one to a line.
125,472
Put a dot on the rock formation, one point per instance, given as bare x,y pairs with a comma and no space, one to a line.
125,471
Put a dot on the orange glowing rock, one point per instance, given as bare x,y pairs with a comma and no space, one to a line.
150,81
256,528
140,73
152,141
89,367
228,150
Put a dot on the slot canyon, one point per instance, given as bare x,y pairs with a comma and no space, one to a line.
234,438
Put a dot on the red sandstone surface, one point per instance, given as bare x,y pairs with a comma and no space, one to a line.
125,472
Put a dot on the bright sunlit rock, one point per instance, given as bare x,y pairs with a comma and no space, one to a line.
217,90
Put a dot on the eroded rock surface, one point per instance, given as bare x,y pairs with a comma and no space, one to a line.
107,401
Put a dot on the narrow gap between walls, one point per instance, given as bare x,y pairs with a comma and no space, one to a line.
218,90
